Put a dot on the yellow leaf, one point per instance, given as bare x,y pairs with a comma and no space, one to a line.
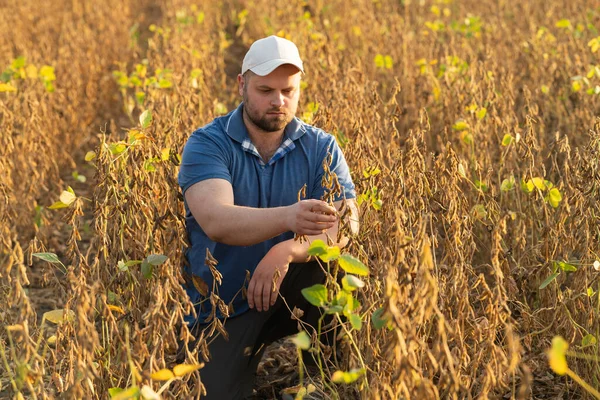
388,62
162,375
7,87
59,316
527,187
481,113
379,61
115,308
31,71
507,139
67,197
165,154
554,197
90,155
47,73
539,183
184,369
556,355
51,340
460,125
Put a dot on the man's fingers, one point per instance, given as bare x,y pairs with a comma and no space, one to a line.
266,296
322,207
258,296
323,218
250,294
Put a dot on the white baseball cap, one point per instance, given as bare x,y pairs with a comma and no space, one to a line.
269,53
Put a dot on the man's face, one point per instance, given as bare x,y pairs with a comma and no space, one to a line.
270,101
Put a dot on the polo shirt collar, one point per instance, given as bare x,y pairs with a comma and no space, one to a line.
237,130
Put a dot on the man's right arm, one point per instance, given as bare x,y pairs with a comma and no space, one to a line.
211,203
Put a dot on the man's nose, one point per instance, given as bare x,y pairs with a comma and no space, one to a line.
277,100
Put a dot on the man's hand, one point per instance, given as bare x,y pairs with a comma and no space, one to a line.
266,280
311,217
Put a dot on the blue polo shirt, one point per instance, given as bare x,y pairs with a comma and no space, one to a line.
222,149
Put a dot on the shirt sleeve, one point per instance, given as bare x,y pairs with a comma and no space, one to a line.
340,167
203,158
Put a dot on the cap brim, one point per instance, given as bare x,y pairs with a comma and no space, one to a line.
267,67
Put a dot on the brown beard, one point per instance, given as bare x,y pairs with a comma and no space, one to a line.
266,123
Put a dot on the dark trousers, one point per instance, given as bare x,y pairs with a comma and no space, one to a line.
230,373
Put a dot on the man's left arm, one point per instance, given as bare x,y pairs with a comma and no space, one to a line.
261,294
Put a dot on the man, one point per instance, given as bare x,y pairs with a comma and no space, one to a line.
241,175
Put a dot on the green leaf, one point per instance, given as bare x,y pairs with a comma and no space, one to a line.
316,295
507,139
355,321
588,340
331,254
347,377
156,259
317,247
149,165
565,266
18,63
302,340
549,280
379,319
352,305
507,184
50,257
117,148
334,309
145,119
479,211
481,185
353,265
147,269
320,249
351,283
122,267
112,297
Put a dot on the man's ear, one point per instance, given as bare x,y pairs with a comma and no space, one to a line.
241,83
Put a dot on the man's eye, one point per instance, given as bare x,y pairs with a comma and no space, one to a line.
266,90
